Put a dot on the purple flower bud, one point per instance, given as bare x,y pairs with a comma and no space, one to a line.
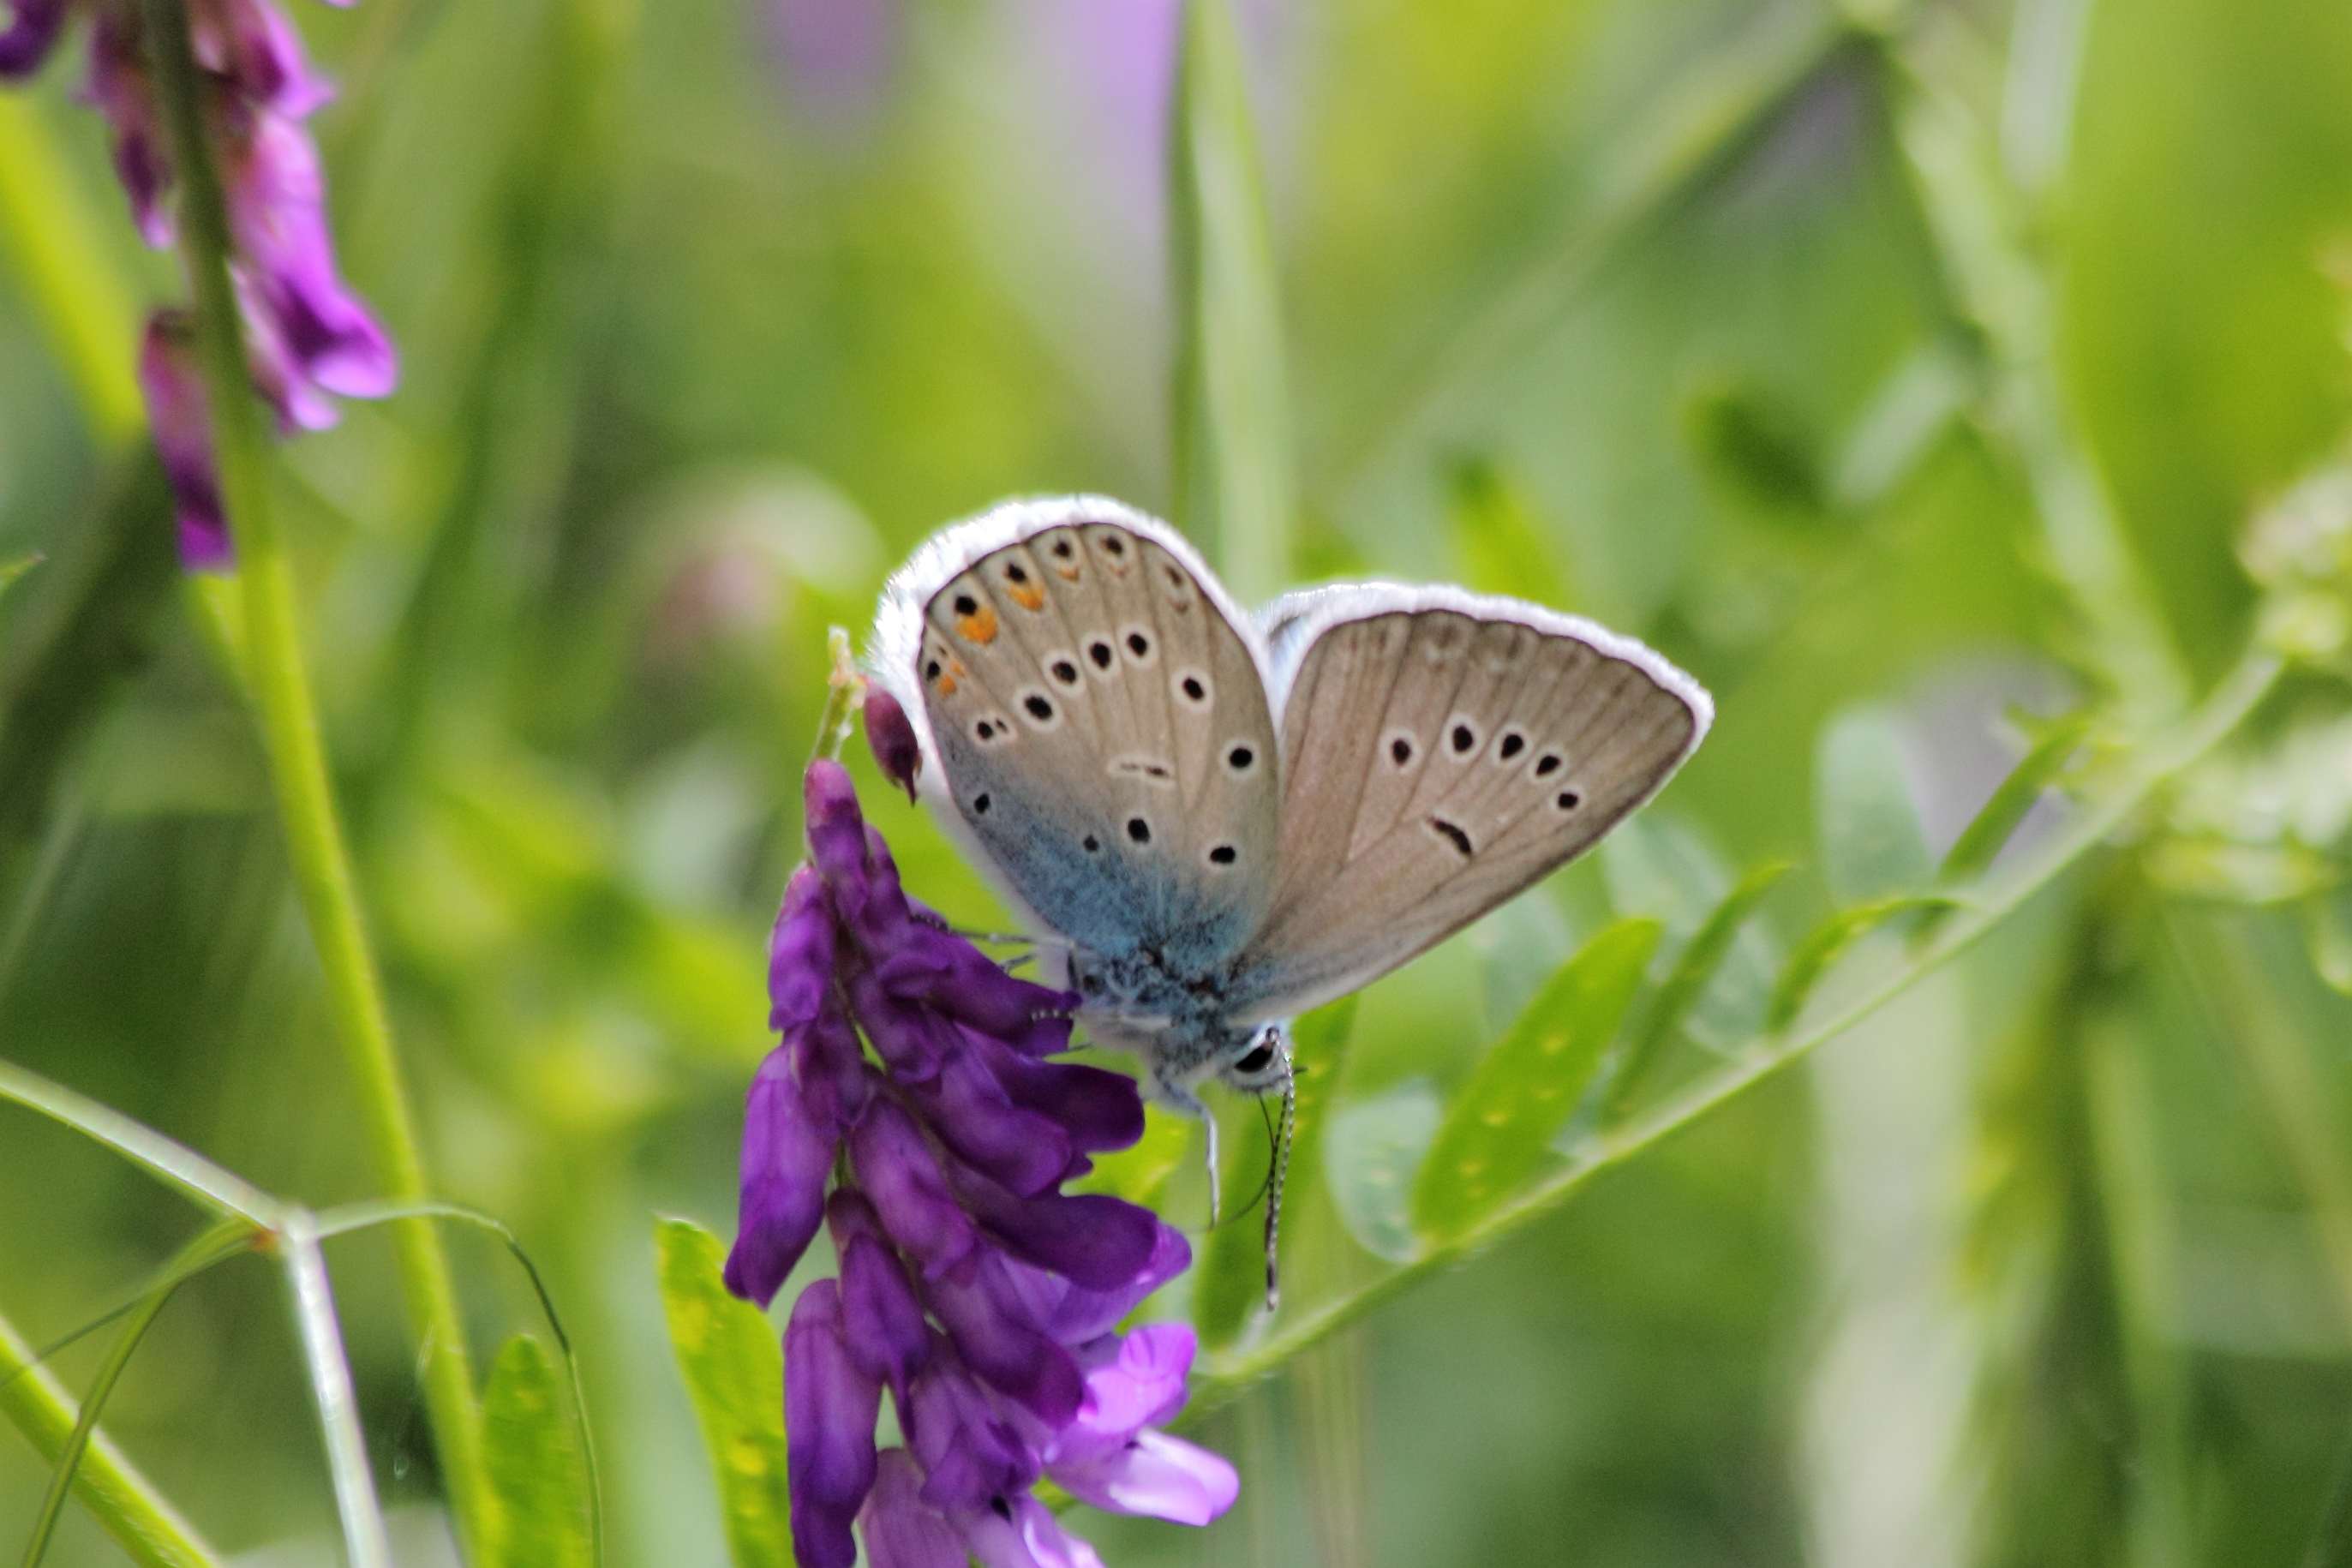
26,40
911,1041
893,740
1024,1534
970,1452
277,211
176,411
830,1408
787,1158
834,1081
888,1338
1098,1109
900,1530
982,1307
801,952
252,45
1092,1239
900,1173
1018,1148
1074,1315
125,97
836,832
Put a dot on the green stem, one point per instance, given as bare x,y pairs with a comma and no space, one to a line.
313,1300
2164,760
298,765
123,1501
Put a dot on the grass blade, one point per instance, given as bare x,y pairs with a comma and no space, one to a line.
1973,852
1233,464
733,1364
215,1245
1829,940
1499,1131
1700,957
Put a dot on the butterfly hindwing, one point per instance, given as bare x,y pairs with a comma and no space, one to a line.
1098,711
1442,751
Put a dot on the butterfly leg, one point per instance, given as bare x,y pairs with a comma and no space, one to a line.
1176,1096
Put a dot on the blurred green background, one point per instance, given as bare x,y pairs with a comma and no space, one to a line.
1891,369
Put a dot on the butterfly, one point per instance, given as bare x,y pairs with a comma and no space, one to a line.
1216,821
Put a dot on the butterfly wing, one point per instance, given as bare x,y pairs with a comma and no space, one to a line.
1094,707
1441,752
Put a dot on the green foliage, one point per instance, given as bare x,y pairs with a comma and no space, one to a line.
1230,395
1498,1130
536,1465
733,1365
1686,981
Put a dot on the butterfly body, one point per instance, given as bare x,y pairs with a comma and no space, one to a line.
1216,821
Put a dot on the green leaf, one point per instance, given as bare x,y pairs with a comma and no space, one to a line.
1686,981
1229,1280
1833,937
1973,852
1501,543
1233,467
536,1466
1662,867
733,1364
1371,1151
1870,836
1497,1133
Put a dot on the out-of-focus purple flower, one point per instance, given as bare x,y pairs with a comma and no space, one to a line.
31,31
175,407
307,337
892,737
837,55
978,1294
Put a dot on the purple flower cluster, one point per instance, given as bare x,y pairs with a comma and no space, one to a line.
980,1295
307,336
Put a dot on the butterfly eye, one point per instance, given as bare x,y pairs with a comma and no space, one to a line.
1256,1060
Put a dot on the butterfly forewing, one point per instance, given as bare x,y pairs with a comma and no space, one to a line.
1102,721
1441,753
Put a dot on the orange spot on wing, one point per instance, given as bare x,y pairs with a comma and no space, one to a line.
1067,573
947,684
979,626
1029,597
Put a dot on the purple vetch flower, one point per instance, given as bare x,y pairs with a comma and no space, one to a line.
977,1294
308,337
175,407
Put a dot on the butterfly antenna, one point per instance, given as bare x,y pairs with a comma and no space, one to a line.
1274,1184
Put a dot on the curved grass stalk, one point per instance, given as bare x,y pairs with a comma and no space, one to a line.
170,1161
2164,759
289,722
223,1241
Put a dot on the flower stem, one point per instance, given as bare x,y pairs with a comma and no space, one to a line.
279,689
